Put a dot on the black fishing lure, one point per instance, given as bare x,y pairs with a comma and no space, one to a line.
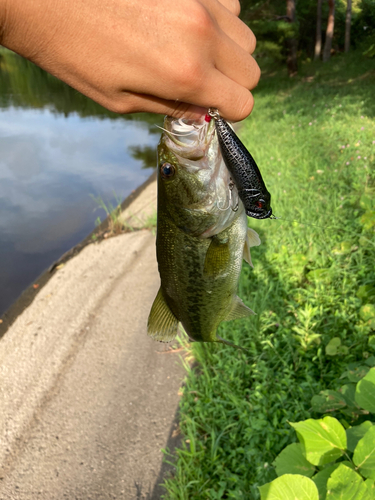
244,171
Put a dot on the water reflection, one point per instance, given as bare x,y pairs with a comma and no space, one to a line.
56,148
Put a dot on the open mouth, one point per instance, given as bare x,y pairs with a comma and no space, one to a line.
188,134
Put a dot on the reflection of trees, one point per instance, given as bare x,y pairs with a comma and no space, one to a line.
146,154
22,84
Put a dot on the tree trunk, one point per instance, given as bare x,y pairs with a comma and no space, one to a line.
329,32
291,60
318,39
347,24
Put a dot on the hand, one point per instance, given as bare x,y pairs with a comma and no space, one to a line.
175,57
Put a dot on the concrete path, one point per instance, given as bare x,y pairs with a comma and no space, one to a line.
87,400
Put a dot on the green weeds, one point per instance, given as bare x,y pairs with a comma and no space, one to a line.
313,281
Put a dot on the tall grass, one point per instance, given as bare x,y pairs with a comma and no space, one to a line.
313,138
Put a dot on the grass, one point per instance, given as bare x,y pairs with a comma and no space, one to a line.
313,138
114,223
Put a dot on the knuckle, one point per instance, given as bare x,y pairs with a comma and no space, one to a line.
189,77
200,21
121,106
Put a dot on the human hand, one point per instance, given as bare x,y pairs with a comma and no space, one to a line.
171,57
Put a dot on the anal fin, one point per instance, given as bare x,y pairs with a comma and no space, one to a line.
239,310
162,324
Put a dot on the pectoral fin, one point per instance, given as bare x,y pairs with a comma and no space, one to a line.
252,240
217,257
162,323
239,310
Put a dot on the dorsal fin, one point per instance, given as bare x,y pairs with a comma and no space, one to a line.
239,310
252,240
162,323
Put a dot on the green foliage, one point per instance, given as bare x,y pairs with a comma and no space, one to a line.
325,441
235,407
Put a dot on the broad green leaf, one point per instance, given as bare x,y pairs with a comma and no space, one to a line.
370,485
328,401
321,478
357,373
346,484
365,291
323,440
348,392
366,201
364,454
289,487
365,392
343,248
368,219
354,434
322,275
332,346
292,461
367,312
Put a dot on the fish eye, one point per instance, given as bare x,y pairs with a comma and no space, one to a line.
167,170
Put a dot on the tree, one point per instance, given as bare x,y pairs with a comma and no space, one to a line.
291,41
329,32
318,39
348,21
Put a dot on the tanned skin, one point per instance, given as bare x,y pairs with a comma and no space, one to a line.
171,57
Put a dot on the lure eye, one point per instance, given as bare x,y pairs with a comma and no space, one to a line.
260,204
167,170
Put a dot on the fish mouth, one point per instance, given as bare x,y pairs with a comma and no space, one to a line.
189,138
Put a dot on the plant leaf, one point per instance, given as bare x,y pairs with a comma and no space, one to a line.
370,485
348,392
289,486
292,461
354,434
346,484
321,478
332,346
323,440
365,391
328,401
364,454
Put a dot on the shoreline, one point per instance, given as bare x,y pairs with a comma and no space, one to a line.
30,293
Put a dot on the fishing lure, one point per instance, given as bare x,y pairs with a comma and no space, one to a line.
243,169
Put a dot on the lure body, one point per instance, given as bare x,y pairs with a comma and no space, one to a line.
243,169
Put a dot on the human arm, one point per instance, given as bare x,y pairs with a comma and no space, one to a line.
160,56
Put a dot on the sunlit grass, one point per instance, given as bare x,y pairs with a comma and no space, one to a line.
314,141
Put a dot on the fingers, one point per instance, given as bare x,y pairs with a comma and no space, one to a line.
229,24
232,5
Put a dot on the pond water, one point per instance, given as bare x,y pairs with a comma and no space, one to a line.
58,150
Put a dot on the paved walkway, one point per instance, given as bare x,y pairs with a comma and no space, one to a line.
87,400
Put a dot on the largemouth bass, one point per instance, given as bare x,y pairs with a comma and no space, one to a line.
202,235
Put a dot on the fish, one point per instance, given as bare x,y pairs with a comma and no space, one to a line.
202,236
244,170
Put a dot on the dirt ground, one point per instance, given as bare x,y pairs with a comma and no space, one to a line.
87,399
